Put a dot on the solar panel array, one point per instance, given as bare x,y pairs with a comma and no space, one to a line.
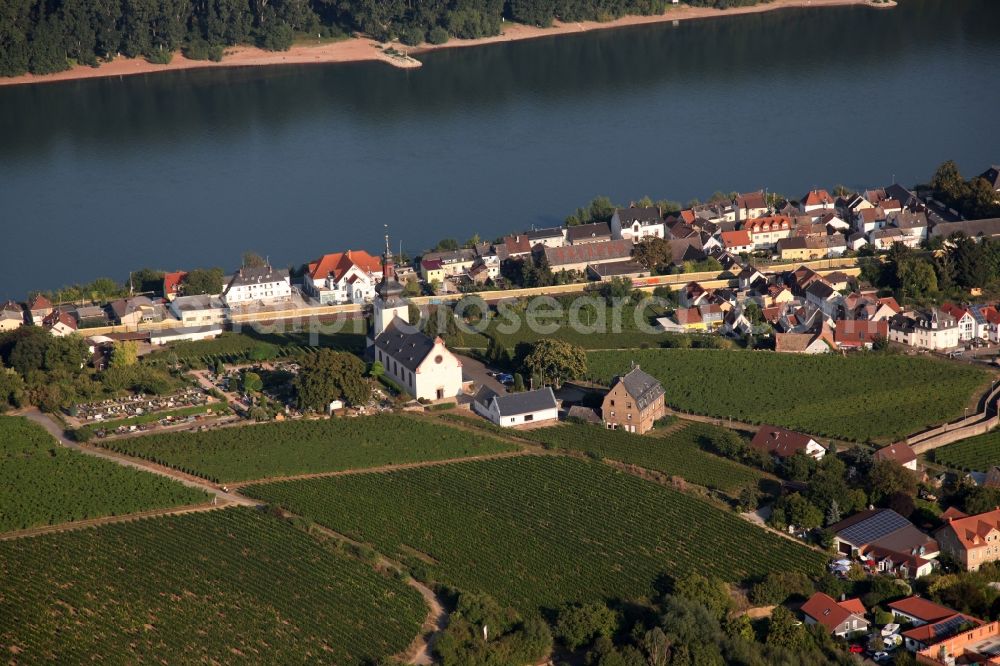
874,528
949,628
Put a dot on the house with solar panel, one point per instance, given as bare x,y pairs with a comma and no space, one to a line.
634,403
884,540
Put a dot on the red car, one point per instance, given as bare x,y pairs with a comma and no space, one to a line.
856,649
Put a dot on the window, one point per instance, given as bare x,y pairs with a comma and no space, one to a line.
529,417
629,417
612,403
628,405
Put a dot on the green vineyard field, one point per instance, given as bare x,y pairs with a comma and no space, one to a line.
306,447
45,484
227,586
826,395
679,453
976,453
538,531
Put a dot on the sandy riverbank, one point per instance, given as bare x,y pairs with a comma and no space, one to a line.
362,49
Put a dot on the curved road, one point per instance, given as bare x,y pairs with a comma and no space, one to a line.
225,498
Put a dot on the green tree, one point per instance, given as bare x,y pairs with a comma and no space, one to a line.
203,281
579,625
887,478
327,375
654,253
556,361
124,354
253,260
252,382
709,591
783,630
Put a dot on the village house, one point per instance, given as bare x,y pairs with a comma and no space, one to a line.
578,257
90,316
816,200
841,619
899,453
432,271
783,443
749,205
11,316
199,310
868,220
550,237
136,310
963,319
581,234
454,262
974,229
933,633
514,409
803,343
971,645
822,296
691,295
634,403
795,248
163,336
750,277
918,611
343,277
881,528
927,329
173,284
636,223
737,241
856,241
514,247
913,225
859,333
971,540
765,232
39,308
892,563
617,269
60,323
258,284
420,365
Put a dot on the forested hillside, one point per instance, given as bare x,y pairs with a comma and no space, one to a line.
44,36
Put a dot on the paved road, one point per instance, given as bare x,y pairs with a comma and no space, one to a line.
56,431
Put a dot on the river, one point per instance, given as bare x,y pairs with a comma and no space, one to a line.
191,168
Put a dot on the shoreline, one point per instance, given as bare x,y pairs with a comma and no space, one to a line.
361,49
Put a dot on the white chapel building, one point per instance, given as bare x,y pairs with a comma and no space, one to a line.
422,366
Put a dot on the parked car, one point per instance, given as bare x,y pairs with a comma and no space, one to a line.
505,378
856,649
880,657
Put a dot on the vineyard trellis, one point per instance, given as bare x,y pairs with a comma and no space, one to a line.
878,397
679,453
974,454
222,586
44,484
305,447
538,531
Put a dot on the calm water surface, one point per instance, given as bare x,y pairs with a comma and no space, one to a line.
186,169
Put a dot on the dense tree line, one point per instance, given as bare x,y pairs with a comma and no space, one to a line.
973,198
44,36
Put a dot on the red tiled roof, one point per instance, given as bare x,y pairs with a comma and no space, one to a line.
579,254
859,332
736,238
900,452
779,441
891,204
431,264
688,216
952,512
935,632
826,611
338,263
39,302
878,553
817,198
172,282
972,531
687,316
922,609
769,223
956,311
751,200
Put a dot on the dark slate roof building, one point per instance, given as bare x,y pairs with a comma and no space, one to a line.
588,233
402,342
643,387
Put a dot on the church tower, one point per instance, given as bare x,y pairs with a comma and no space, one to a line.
388,303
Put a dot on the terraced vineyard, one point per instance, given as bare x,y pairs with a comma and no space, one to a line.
217,587
537,531
679,453
976,453
45,484
306,447
826,395
237,348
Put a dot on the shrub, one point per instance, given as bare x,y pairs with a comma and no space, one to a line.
160,57
276,37
438,35
412,36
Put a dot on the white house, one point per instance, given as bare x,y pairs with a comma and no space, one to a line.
750,205
927,329
420,365
60,323
187,334
258,284
343,277
11,316
635,224
816,200
765,232
964,319
516,409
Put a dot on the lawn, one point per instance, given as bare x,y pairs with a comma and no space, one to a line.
878,397
45,484
976,453
679,453
538,531
228,586
305,447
